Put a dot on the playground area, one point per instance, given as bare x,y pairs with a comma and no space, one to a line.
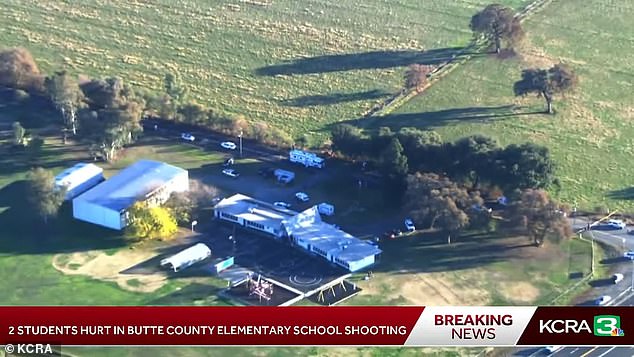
267,272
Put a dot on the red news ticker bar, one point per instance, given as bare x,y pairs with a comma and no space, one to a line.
16,325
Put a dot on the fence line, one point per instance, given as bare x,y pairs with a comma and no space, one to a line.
405,95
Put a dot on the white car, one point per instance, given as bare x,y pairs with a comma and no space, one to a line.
302,196
611,223
187,137
552,349
602,300
282,204
228,145
629,255
409,225
616,278
231,173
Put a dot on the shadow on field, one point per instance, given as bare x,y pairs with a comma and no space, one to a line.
23,232
449,116
365,60
335,98
195,292
430,252
40,111
623,194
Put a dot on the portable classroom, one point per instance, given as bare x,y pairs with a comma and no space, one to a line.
79,179
187,257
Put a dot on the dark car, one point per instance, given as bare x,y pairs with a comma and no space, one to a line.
266,172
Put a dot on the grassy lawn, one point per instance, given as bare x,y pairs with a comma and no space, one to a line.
590,136
297,64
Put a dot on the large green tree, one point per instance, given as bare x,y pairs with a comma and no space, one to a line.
393,161
541,217
43,196
498,23
67,97
524,166
546,83
174,88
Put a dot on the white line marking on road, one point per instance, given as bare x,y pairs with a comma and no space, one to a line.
606,352
587,353
575,350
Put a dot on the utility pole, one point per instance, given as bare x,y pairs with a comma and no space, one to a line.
240,136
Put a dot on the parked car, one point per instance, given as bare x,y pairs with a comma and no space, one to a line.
610,224
552,349
616,278
228,145
393,233
231,173
302,196
409,225
282,204
602,300
629,255
187,137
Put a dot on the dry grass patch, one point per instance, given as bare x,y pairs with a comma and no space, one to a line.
102,266
520,292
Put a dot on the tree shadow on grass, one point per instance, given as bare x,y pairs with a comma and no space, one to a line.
199,294
623,194
24,233
447,116
335,98
365,60
431,253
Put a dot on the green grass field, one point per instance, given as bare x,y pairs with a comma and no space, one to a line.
297,64
590,137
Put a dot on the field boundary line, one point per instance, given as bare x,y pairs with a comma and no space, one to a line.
405,95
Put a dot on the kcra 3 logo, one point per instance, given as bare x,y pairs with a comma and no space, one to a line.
602,325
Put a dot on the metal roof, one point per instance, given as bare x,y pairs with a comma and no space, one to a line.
192,254
131,184
253,210
76,175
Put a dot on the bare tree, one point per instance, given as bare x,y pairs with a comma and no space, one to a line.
498,23
417,75
541,217
67,97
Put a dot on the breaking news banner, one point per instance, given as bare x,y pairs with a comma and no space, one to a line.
310,326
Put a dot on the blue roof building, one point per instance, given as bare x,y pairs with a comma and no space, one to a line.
151,181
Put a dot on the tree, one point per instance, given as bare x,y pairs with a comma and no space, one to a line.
417,75
113,117
348,139
44,197
193,204
174,88
524,166
150,222
439,202
541,217
393,161
34,147
19,133
497,23
67,97
18,70
420,147
546,83
472,158
193,113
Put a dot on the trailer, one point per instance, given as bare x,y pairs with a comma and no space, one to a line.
325,208
308,159
79,179
187,257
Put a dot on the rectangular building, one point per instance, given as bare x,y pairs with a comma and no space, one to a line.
304,229
306,158
79,179
149,181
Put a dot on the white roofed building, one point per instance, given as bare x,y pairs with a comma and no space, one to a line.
147,181
305,229
78,179
187,257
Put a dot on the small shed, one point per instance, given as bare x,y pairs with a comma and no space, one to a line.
187,257
79,179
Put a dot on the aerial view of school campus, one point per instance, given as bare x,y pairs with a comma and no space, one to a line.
317,153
